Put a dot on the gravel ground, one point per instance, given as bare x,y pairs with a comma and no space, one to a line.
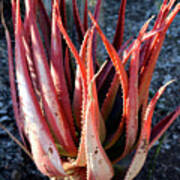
15,165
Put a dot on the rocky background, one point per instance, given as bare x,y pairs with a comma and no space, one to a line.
165,164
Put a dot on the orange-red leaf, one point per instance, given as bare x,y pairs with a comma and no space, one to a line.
162,126
143,142
53,109
115,59
57,71
78,23
95,154
36,129
118,37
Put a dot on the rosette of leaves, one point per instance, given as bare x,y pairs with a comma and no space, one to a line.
78,118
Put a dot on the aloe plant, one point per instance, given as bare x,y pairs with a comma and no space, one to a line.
78,118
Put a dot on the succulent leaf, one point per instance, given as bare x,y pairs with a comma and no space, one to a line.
36,129
143,141
162,126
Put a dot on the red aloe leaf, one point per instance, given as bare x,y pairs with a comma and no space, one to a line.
57,71
81,159
151,34
78,91
85,15
127,52
45,25
53,109
97,10
171,16
120,71
78,23
115,59
144,37
45,154
32,70
107,70
145,78
132,101
162,126
132,107
13,5
27,17
118,37
158,23
79,61
73,50
92,85
131,116
126,56
29,56
143,142
125,48
12,78
96,157
153,53
164,11
63,12
161,14
81,156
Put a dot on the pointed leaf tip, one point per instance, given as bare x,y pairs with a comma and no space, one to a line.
162,126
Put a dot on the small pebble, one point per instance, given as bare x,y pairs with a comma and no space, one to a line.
175,136
15,175
5,118
167,146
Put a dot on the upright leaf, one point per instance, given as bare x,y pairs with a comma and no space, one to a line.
143,142
78,23
118,37
45,25
57,70
53,109
162,126
36,129
96,157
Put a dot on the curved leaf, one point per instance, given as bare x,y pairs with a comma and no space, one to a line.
53,109
36,129
162,126
118,37
95,155
143,142
57,71
115,59
78,23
